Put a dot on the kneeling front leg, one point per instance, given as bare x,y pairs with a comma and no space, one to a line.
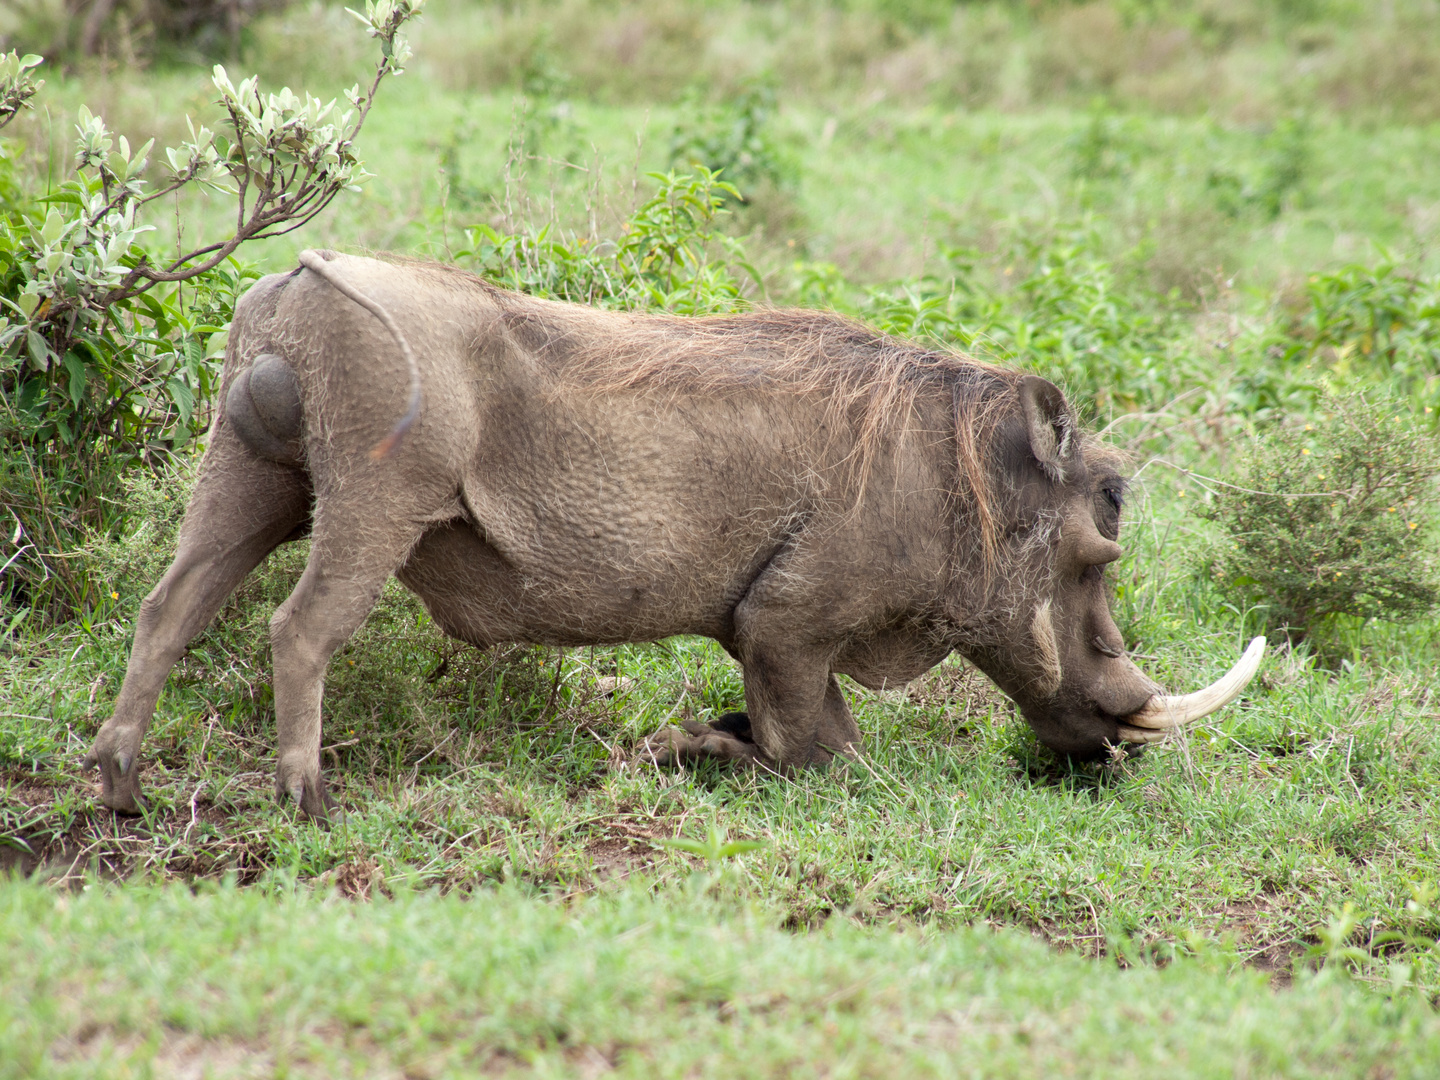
726,739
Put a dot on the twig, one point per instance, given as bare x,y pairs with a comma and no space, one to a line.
194,812
415,769
555,686
1202,479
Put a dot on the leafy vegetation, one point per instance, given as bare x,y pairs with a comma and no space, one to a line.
1334,517
662,260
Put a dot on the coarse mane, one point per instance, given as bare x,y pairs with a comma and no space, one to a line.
870,381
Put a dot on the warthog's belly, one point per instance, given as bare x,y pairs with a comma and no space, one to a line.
475,594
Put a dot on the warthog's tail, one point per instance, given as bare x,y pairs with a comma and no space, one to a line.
313,260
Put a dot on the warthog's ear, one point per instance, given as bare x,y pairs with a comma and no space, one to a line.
1051,425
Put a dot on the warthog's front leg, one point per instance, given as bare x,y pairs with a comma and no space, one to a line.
795,714
241,510
726,739
794,711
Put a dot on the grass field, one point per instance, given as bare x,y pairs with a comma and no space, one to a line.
249,982
1261,897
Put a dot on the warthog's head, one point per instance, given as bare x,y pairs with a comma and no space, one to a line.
1048,638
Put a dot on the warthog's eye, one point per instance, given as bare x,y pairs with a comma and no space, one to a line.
1116,496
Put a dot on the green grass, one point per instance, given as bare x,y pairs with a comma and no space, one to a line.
881,180
231,982
460,769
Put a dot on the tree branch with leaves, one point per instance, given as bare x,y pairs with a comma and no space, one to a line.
282,157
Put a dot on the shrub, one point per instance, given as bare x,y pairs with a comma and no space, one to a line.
733,138
1333,518
669,256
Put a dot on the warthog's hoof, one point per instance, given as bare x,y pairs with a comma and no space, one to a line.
726,739
308,792
119,772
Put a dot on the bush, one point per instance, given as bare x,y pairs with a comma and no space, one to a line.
1333,518
733,138
669,256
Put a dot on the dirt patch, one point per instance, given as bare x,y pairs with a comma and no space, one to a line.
957,689
359,879
625,850
48,832
1260,940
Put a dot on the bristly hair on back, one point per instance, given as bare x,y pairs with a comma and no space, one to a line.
870,381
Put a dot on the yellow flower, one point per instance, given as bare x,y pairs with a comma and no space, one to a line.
1309,427
114,595
1410,525
1304,450
1319,476
1390,509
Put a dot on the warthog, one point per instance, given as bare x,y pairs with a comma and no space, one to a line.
817,497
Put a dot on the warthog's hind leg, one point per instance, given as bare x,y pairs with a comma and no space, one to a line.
353,551
241,510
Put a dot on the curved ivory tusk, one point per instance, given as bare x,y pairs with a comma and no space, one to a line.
1164,713
1126,733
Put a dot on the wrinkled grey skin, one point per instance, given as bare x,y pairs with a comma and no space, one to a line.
527,505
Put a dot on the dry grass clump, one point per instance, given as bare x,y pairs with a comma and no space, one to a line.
1389,71
1092,49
